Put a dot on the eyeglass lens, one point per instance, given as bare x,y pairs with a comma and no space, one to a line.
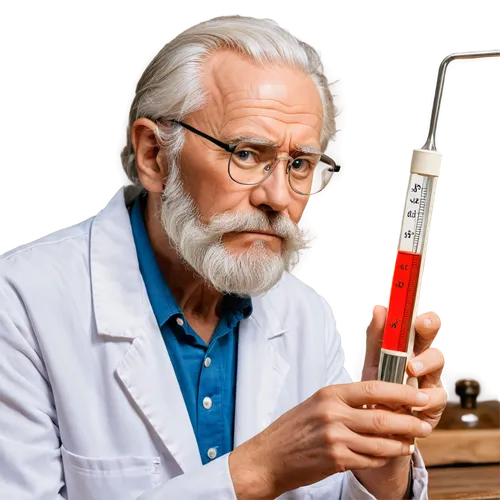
251,163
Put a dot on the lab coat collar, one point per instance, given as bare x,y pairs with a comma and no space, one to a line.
122,310
120,298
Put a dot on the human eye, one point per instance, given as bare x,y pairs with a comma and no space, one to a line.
246,155
302,166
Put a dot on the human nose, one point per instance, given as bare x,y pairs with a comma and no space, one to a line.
274,191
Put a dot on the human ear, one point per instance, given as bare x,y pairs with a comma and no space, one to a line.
151,165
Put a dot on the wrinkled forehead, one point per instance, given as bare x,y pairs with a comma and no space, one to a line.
271,101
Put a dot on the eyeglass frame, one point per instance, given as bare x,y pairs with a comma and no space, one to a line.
231,148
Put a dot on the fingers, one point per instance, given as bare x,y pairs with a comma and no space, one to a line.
346,459
377,446
350,451
369,354
386,422
393,408
429,363
426,328
387,407
378,392
437,401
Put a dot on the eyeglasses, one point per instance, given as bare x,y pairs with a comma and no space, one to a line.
252,162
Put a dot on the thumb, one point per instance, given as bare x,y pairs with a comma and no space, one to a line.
374,334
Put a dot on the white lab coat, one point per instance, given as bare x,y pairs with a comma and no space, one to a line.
90,407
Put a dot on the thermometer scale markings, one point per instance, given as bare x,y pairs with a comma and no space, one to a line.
407,270
420,219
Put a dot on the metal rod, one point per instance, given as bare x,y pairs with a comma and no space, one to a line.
430,145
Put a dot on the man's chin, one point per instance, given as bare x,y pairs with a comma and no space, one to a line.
252,279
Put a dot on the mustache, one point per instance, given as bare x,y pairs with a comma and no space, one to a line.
237,222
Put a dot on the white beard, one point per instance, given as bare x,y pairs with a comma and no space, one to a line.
253,272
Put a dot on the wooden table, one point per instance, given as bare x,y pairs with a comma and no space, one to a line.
477,482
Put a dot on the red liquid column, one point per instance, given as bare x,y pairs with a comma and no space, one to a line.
401,302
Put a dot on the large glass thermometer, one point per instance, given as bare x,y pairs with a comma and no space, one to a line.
399,331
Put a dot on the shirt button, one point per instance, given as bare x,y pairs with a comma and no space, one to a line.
179,321
212,453
207,404
207,362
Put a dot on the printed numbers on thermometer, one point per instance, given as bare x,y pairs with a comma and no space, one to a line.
407,270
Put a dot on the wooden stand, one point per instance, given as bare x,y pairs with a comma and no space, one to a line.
477,446
451,447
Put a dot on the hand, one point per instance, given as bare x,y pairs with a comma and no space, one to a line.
426,364
329,432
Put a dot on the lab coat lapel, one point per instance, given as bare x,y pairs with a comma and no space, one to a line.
122,311
261,371
149,377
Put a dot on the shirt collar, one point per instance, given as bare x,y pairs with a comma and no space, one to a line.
163,303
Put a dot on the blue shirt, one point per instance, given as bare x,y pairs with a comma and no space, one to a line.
206,373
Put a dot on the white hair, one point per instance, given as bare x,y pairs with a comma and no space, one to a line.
171,86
